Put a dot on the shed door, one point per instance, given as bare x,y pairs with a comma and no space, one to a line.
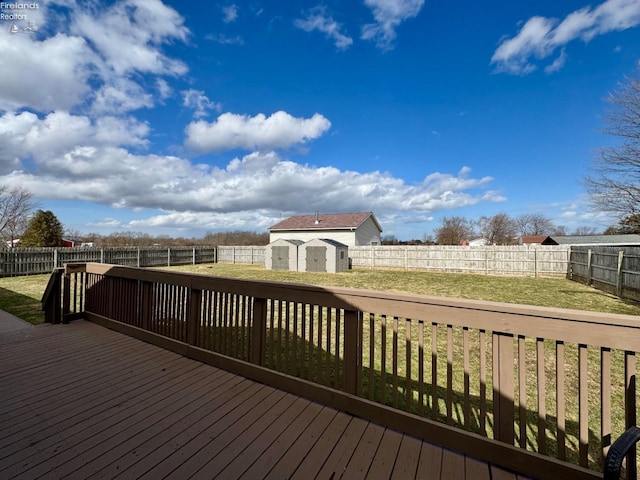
280,258
316,259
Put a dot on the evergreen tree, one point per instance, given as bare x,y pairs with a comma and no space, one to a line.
43,230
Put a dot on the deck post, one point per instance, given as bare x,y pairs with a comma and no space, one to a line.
51,298
66,297
259,331
193,322
352,320
147,304
503,386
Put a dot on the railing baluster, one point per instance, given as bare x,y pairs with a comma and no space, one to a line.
542,408
467,378
394,360
434,371
372,351
482,339
560,401
583,406
605,400
421,398
328,367
383,360
449,398
630,407
522,390
408,390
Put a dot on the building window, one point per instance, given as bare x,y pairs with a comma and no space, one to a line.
374,244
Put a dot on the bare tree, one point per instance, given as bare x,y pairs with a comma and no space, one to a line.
534,224
454,230
498,229
585,230
614,185
16,204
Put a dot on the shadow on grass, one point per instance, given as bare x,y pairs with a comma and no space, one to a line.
22,306
296,356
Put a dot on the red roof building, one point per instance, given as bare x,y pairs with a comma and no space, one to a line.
348,228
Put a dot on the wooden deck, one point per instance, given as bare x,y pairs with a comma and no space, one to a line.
81,401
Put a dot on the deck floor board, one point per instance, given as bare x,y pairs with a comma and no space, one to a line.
80,401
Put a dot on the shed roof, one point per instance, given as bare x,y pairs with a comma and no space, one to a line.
524,239
333,242
591,239
326,221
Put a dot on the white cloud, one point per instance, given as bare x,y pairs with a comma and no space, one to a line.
389,14
137,27
539,37
257,182
225,40
199,102
95,59
232,131
230,13
557,64
317,19
43,75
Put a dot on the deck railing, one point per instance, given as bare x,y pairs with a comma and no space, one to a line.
539,390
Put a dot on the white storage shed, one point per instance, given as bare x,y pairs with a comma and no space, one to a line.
282,254
323,255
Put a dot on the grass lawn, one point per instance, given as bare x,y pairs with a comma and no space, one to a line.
21,295
544,291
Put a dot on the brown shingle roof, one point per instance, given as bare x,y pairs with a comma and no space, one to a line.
532,238
326,221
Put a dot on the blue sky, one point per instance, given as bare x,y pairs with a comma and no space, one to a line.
181,118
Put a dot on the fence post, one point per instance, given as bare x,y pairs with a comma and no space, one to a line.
535,262
55,258
168,256
194,255
619,276
503,387
138,258
486,260
259,331
589,254
352,320
102,255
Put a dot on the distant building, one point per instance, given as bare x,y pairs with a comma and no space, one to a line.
531,239
628,239
350,229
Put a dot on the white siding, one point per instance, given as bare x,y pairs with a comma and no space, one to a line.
367,233
343,236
